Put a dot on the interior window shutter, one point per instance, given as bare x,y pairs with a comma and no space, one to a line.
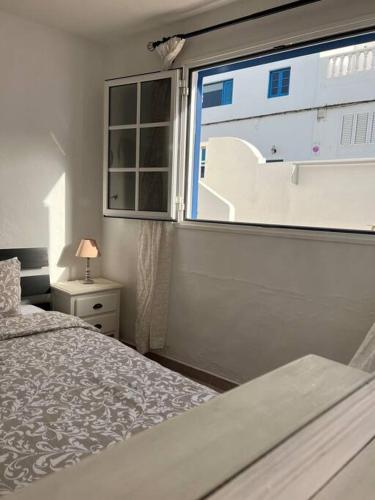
361,128
140,146
347,129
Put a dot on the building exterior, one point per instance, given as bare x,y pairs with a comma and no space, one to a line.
291,142
318,106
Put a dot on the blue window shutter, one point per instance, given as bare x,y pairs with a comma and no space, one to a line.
279,81
227,92
284,81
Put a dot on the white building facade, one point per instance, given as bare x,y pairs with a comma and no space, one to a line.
327,113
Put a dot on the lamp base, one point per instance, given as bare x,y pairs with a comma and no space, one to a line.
88,281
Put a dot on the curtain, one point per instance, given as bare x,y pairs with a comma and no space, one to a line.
364,358
169,50
153,283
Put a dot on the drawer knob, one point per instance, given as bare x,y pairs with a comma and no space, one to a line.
97,306
98,326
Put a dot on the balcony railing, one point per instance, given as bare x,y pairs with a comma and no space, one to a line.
351,62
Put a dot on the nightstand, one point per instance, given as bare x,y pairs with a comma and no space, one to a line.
97,303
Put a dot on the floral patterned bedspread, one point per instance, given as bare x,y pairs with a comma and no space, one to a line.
67,391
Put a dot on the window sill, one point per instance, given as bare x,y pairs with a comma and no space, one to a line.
281,232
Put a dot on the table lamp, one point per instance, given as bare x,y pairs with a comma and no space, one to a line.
88,249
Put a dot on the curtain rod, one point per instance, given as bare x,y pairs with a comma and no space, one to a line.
257,15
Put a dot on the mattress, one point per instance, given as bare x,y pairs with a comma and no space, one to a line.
67,391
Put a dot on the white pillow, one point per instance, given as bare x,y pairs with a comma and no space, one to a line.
10,286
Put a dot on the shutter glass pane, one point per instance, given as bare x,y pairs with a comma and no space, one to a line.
153,191
154,147
347,129
274,83
122,148
156,101
121,191
361,128
123,105
285,82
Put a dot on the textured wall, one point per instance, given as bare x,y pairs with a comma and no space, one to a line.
50,141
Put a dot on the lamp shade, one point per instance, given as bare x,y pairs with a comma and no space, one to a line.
88,248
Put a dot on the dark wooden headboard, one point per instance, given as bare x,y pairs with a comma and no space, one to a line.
35,282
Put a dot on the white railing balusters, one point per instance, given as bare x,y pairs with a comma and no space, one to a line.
351,62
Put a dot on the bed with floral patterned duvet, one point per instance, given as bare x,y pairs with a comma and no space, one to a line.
67,391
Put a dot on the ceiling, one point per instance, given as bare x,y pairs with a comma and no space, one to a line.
105,20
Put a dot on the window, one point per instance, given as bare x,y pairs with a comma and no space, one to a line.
358,129
324,133
279,81
217,93
361,128
203,162
347,129
140,150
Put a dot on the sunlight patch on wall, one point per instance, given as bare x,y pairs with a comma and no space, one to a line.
56,204
56,141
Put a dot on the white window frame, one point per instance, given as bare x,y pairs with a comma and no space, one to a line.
189,74
171,213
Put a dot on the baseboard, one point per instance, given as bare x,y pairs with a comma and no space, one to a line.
218,383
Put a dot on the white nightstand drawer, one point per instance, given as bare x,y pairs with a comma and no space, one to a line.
106,323
97,304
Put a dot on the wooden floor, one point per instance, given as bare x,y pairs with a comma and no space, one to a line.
219,384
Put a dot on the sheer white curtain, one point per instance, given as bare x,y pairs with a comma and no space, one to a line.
153,283
364,358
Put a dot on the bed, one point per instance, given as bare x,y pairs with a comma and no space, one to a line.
67,391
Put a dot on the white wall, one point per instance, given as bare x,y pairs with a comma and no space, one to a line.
50,141
295,135
243,304
324,194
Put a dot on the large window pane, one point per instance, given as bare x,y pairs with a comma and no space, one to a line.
156,101
154,148
121,191
153,191
122,148
296,147
123,105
